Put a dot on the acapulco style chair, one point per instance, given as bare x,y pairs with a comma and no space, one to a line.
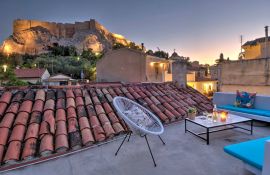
143,124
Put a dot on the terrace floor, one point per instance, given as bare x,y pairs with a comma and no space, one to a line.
183,154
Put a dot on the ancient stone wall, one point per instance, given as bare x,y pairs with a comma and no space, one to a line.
65,30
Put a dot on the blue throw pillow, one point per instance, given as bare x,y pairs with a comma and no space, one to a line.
245,99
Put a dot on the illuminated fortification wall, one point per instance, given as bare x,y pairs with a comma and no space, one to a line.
65,30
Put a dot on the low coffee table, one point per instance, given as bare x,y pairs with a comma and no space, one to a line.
211,126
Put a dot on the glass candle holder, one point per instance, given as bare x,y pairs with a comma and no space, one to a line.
223,116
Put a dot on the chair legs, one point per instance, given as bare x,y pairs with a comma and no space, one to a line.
150,151
129,136
161,140
149,148
121,144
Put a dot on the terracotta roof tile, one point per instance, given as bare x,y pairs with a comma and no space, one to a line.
6,97
87,137
78,92
38,106
69,94
99,133
21,119
61,143
113,118
3,107
70,103
99,109
79,101
103,119
73,125
29,73
7,121
81,111
61,128
29,149
46,145
32,131
71,113
60,115
107,108
108,130
13,152
118,128
75,140
84,123
26,106
13,108
105,91
17,133
91,111
96,100
88,100
35,118
30,95
68,123
2,149
60,94
94,122
49,105
61,103
109,98
4,136
50,95
40,95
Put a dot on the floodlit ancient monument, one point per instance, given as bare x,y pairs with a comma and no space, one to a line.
34,37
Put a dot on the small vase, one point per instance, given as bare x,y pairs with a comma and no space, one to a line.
191,116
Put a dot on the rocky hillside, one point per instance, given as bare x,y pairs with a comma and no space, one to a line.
35,37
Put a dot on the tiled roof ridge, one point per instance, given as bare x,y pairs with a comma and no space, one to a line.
36,123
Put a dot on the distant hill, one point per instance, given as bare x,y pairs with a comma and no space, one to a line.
34,37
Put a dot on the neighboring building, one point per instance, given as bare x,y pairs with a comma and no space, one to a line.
258,48
32,76
204,84
246,75
128,65
59,80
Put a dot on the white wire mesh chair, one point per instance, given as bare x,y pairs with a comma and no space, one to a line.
139,119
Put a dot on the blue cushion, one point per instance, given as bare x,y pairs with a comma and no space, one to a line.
261,112
251,152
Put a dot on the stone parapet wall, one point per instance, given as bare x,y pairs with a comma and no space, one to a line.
254,72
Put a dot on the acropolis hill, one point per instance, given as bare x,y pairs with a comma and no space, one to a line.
34,37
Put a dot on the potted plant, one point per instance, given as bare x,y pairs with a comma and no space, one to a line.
192,112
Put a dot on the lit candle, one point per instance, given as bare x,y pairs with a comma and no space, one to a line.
223,116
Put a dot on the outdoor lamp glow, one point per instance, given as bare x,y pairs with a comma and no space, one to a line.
5,67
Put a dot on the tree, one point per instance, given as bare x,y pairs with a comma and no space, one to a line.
8,78
118,46
221,59
161,54
150,52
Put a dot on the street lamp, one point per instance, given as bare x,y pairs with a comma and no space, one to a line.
5,67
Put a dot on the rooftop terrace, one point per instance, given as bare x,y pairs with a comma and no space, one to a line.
183,154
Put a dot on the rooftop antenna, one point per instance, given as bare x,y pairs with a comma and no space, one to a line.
241,41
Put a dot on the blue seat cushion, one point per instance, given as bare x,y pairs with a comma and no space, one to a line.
251,152
261,112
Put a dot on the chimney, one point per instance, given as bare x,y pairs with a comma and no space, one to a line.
266,41
179,73
142,46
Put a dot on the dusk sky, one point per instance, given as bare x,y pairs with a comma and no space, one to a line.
200,29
